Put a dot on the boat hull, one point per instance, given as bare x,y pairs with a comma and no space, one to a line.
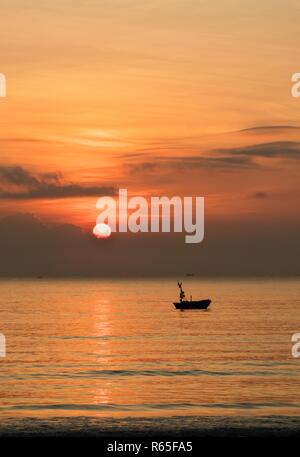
201,304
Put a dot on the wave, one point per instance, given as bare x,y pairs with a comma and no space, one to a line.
149,406
93,374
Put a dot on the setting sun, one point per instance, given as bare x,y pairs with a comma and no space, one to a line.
102,231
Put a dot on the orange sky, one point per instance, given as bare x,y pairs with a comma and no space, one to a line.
161,97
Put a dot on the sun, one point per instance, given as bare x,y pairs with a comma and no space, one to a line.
102,231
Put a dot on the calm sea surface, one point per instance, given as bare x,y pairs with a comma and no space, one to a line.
118,348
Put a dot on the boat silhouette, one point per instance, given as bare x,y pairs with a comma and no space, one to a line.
190,304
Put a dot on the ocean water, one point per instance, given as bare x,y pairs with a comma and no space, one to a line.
118,349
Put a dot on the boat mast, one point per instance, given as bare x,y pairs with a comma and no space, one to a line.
182,294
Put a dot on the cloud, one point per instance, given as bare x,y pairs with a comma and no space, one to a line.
260,194
236,158
191,163
22,140
17,175
214,162
30,248
276,149
144,167
269,128
26,185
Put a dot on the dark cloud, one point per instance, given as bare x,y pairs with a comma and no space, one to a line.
213,162
61,191
17,175
260,194
269,128
144,167
30,248
191,163
276,149
236,158
27,185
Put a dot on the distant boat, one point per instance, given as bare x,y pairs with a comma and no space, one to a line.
190,304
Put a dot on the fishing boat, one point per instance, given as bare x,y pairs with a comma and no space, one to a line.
190,304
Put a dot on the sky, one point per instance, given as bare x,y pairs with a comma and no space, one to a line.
162,97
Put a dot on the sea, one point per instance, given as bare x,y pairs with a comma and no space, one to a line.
102,355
